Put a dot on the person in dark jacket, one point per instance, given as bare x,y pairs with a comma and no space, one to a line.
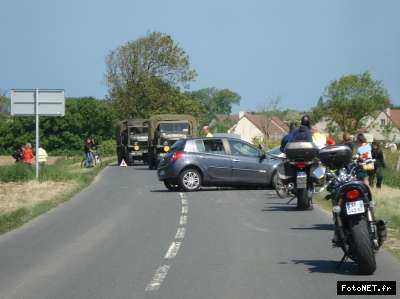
303,133
347,140
377,155
286,138
88,152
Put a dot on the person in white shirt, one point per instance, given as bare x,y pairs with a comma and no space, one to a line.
207,132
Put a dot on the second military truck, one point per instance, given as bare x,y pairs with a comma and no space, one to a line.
164,131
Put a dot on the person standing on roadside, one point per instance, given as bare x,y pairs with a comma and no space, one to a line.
347,140
88,153
27,154
379,164
364,153
207,132
42,156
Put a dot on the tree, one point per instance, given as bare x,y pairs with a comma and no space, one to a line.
216,101
142,74
319,111
352,98
269,111
84,117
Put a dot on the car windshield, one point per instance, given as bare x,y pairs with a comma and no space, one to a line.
174,128
276,151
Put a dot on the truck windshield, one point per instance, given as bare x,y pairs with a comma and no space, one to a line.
138,130
174,127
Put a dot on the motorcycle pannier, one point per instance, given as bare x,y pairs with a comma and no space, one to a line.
335,156
301,151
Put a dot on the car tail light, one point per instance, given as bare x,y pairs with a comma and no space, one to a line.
300,165
176,156
353,194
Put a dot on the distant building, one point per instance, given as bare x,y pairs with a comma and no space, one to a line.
255,125
386,126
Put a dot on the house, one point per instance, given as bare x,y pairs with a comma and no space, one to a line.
386,126
255,125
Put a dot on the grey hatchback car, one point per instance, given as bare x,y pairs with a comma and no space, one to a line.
216,161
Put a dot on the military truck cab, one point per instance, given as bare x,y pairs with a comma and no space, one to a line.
164,131
132,141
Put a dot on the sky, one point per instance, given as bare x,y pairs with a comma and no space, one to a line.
291,49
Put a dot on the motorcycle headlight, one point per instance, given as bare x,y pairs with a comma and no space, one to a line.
136,147
166,148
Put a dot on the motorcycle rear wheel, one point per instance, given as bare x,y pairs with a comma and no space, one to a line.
361,247
304,199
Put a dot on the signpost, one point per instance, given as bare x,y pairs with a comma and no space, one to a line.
45,102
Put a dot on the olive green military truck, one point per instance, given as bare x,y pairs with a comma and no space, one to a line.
165,130
132,141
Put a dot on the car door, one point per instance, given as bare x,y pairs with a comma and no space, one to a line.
247,167
215,161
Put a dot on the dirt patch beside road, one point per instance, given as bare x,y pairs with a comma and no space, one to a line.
18,195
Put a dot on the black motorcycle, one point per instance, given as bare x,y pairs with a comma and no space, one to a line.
357,232
300,173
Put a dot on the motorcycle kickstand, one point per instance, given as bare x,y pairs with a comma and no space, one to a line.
291,200
342,261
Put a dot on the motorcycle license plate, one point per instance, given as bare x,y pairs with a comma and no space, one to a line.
301,180
355,207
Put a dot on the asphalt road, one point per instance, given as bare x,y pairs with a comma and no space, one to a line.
126,237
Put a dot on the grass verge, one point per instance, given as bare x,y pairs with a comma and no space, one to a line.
388,209
63,172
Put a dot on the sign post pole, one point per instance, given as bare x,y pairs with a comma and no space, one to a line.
37,132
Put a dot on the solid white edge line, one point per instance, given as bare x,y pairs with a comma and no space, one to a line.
158,278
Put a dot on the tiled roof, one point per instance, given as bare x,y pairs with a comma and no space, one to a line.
277,126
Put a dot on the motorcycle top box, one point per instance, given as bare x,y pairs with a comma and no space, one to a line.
301,151
336,156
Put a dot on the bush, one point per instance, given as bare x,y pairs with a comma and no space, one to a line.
18,172
391,177
107,148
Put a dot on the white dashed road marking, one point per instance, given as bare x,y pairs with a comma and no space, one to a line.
158,278
183,220
180,234
173,249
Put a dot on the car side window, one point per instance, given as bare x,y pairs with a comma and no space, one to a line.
212,146
239,148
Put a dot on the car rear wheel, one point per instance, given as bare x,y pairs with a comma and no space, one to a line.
171,187
190,179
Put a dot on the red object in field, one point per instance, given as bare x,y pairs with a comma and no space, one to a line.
176,156
353,194
300,165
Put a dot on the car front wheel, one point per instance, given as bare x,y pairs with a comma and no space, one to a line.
190,179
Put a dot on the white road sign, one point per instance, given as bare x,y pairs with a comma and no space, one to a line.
51,102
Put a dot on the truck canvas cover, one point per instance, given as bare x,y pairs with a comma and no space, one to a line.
155,120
